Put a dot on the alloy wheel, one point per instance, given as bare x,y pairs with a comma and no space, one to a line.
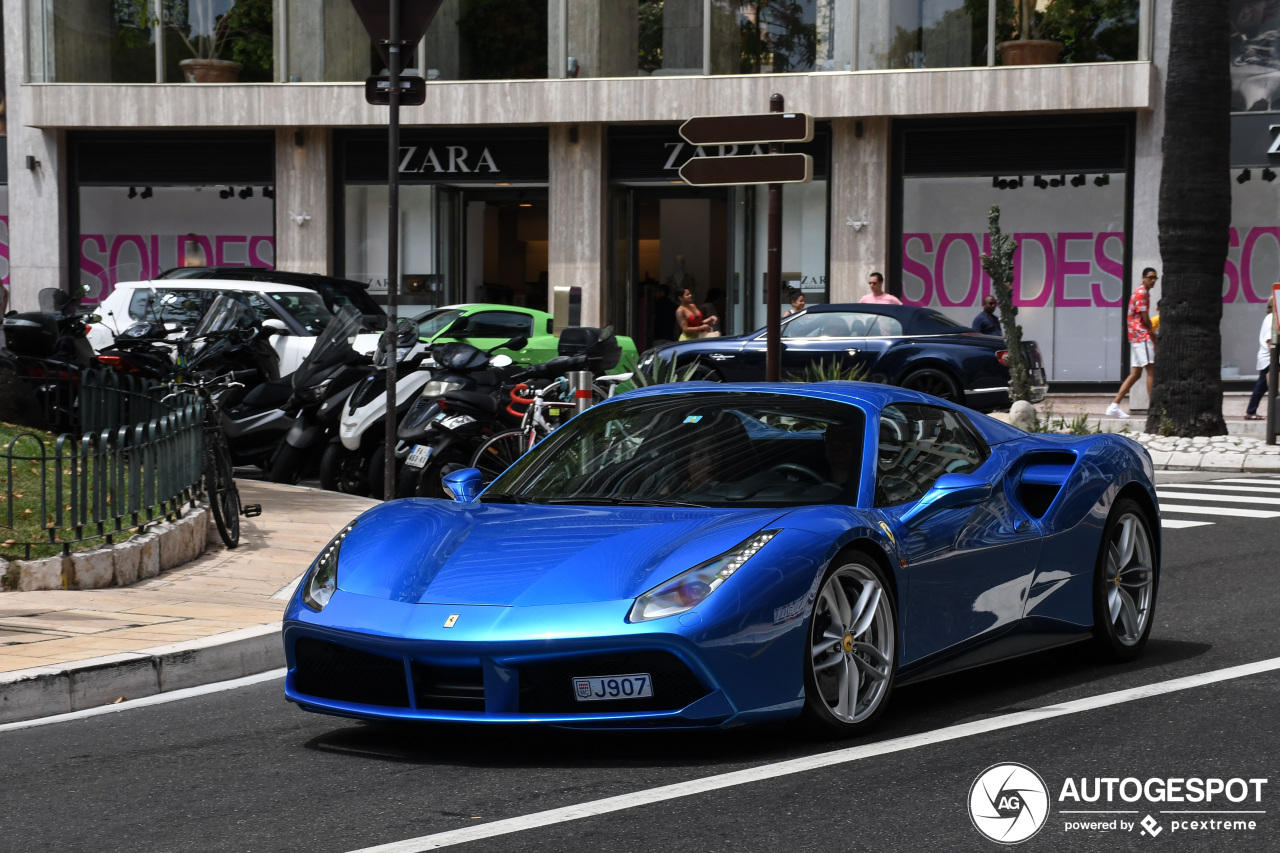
851,644
1129,578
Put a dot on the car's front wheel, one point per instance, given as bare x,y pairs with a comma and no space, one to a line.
1126,579
929,380
852,649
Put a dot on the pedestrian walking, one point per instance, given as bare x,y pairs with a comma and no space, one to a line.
877,295
1263,364
986,322
1142,350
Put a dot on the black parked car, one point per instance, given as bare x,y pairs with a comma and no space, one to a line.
916,348
336,292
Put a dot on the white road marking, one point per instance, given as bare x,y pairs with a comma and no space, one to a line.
1208,496
1275,490
286,592
814,762
147,701
1231,511
1249,482
1179,523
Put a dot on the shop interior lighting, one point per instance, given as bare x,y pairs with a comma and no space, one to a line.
268,192
227,193
1102,180
147,192
1245,175
247,192
1268,174
133,192
1078,180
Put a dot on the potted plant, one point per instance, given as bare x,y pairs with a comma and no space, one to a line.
208,28
1029,48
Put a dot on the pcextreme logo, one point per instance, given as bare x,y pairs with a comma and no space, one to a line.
1009,803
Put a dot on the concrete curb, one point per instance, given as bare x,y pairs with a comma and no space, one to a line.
42,691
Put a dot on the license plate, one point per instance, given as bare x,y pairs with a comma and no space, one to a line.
603,687
418,458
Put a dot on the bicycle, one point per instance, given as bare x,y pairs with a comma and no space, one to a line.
501,451
218,472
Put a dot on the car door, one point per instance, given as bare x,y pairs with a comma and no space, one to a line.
968,568
827,337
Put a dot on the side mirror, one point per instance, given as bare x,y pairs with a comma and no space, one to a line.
93,318
275,327
463,485
516,343
951,491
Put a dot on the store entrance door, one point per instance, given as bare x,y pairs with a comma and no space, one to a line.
667,239
504,247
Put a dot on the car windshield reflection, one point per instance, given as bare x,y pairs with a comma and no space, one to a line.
707,449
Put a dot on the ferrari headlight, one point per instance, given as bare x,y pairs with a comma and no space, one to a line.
689,589
438,387
319,584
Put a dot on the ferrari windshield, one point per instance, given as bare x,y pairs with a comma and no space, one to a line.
706,449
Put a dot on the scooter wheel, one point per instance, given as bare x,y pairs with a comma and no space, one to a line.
341,471
287,464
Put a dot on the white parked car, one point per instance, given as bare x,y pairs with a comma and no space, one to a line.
294,316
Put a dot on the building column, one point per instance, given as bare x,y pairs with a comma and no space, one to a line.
303,188
37,197
859,205
578,215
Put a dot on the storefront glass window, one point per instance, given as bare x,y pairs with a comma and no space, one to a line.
365,221
115,42
920,34
137,232
1068,270
804,244
1253,265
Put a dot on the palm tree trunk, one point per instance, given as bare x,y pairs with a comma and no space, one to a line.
1194,218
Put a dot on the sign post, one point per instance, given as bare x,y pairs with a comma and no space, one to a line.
774,169
394,32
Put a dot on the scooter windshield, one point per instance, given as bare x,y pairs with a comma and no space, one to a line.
229,311
333,347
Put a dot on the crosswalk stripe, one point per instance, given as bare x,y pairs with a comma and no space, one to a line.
1251,482
1178,523
1274,490
1257,500
1231,511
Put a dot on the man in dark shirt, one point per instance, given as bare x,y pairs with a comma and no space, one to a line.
986,322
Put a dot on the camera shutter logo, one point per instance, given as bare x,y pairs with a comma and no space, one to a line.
1008,803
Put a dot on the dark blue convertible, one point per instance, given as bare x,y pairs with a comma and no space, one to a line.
916,348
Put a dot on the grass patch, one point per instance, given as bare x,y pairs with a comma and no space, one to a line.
28,502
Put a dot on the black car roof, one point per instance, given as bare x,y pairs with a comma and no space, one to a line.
915,320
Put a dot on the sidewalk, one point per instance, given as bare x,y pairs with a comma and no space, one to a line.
215,618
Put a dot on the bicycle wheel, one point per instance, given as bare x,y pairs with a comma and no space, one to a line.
220,488
499,453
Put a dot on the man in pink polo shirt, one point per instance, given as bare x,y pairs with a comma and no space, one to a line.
1142,348
877,294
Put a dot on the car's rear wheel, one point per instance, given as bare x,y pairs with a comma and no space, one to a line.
929,380
1125,583
852,649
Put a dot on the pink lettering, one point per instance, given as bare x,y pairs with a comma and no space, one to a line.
1232,272
118,248
1067,267
911,266
940,266
255,259
1108,265
4,249
93,268
219,251
1246,262
1020,264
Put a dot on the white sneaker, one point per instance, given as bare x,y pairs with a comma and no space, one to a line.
1114,411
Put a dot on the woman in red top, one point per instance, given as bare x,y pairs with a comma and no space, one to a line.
689,317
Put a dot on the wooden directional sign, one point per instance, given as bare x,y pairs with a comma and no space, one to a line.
413,90
749,169
748,130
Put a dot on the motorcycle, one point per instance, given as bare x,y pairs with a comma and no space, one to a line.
48,349
446,433
353,461
320,385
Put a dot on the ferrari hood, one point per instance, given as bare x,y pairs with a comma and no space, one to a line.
442,552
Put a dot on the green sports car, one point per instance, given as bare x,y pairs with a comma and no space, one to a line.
485,326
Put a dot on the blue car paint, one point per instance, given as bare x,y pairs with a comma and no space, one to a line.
536,583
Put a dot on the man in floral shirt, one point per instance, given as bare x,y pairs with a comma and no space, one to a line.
1142,348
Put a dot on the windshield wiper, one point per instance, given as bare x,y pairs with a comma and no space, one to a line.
623,502
658,502
585,501
503,498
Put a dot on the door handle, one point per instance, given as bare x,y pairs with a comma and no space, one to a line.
853,351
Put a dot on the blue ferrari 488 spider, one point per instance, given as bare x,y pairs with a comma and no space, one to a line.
711,555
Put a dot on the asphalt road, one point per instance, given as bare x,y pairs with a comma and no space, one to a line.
242,770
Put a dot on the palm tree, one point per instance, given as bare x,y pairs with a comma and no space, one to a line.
1194,218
